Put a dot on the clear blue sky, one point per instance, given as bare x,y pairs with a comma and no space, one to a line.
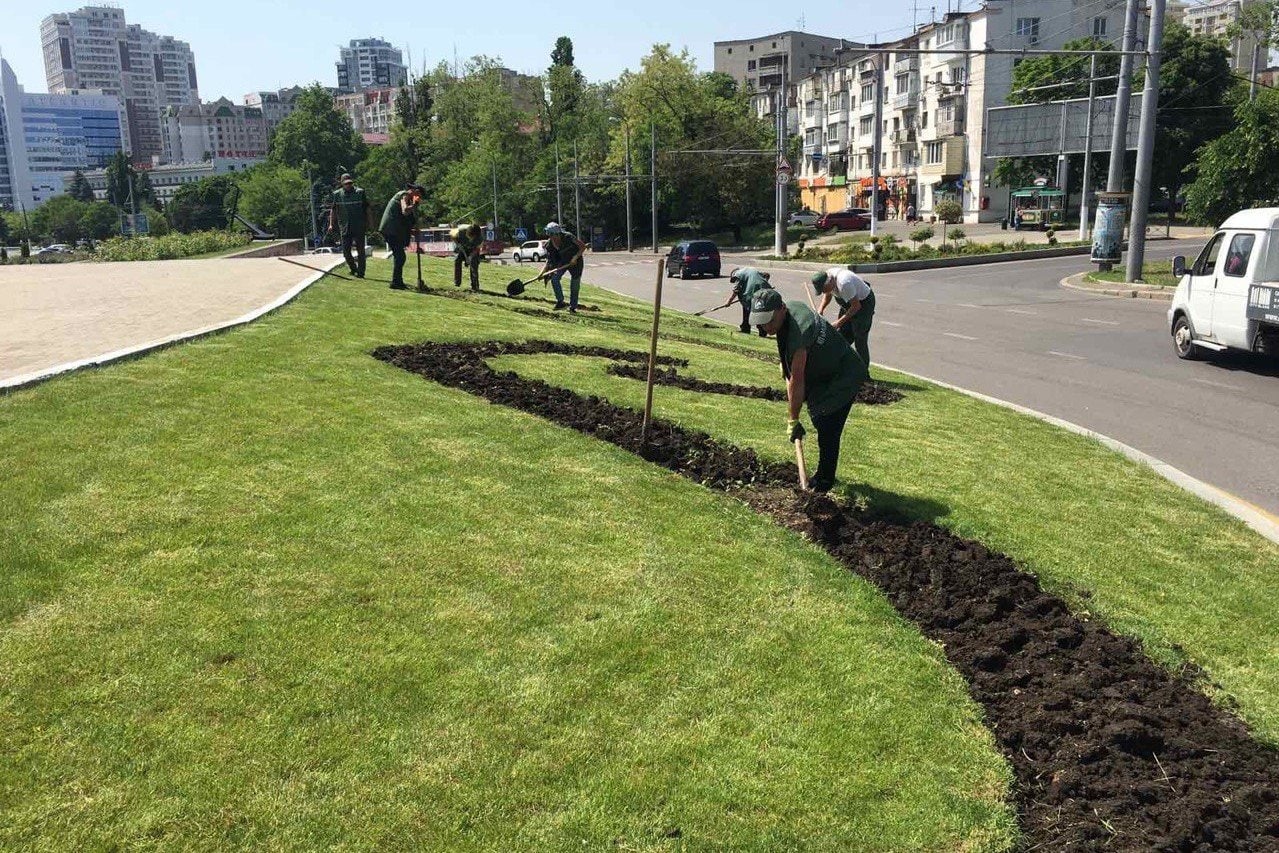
246,45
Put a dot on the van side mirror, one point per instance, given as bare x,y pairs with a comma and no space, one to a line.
1179,266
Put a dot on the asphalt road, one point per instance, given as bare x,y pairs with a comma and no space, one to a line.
1011,331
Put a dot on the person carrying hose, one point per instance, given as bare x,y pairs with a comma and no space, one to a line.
468,246
747,281
350,216
856,306
821,370
397,226
563,255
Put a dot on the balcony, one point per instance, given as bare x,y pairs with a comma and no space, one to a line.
814,149
906,64
950,126
867,107
959,42
905,99
836,145
952,93
904,136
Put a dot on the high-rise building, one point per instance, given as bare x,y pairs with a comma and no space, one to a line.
370,64
43,137
220,129
95,48
1218,19
762,64
275,106
370,111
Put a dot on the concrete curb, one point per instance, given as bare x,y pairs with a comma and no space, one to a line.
1077,282
274,249
17,383
1255,517
971,260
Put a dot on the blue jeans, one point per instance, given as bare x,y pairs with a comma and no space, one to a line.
575,284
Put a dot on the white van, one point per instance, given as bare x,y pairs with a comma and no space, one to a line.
1229,298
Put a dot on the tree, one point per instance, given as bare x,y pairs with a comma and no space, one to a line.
275,197
201,206
1239,169
120,177
387,170
79,188
59,219
564,85
318,134
562,55
4,230
143,192
99,221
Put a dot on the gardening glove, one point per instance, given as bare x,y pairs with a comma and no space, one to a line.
795,430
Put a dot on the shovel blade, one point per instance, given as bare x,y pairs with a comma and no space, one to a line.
515,288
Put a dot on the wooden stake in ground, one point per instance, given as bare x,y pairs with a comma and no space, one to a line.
799,460
652,349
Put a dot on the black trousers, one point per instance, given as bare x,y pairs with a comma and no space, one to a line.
397,245
354,244
830,430
460,260
746,318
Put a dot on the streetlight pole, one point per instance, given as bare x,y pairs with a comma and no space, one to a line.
577,195
779,189
1146,145
652,170
559,198
878,146
1086,188
630,245
495,237
1123,98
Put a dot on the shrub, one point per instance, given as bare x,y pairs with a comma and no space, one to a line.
956,234
948,211
922,235
1052,236
169,246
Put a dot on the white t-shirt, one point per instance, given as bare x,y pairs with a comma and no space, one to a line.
848,285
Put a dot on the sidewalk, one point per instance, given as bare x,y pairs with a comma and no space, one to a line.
52,314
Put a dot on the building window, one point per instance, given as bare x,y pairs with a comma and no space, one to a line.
932,153
1028,28
750,65
730,50
923,120
866,126
868,92
1099,26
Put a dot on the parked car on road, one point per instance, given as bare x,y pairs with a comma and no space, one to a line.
55,249
533,250
852,219
1229,298
693,257
807,218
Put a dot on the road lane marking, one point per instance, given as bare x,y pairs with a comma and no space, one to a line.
1020,311
894,325
1209,382
968,305
926,301
1100,322
1066,355
961,337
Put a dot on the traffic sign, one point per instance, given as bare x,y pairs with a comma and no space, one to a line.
489,235
521,235
783,178
783,165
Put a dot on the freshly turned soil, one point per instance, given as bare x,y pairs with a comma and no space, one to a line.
1110,751
869,395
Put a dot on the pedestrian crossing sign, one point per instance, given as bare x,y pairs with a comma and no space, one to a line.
520,235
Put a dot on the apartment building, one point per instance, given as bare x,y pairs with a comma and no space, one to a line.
168,178
44,137
934,104
369,64
95,48
761,64
371,111
219,129
1218,20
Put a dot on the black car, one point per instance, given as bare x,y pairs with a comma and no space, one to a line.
693,257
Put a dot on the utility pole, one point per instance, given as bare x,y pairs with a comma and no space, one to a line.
1123,99
652,170
779,189
1252,82
495,200
577,195
630,244
1086,187
1146,144
559,199
1063,166
878,148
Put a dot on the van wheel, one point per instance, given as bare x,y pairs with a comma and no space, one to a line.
1183,340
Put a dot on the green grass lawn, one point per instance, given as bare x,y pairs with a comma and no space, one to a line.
1156,273
264,590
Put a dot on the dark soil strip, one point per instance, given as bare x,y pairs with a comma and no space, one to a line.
869,395
1110,750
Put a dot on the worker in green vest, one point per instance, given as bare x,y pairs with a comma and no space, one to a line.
821,370
398,222
349,214
467,248
747,281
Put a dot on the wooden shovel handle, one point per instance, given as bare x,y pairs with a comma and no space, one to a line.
799,460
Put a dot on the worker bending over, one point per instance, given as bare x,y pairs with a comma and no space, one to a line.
467,248
821,370
856,306
563,255
747,281
397,226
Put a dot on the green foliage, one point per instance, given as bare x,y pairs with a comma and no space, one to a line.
79,188
317,135
956,234
1240,169
59,219
201,206
275,198
169,247
1036,72
949,212
100,220
144,193
120,177
922,234
4,230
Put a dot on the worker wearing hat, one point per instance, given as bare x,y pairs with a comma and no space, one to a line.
747,281
397,227
563,255
350,213
821,371
467,249
856,306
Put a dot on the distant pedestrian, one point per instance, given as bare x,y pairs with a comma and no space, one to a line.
350,216
910,214
397,227
821,371
747,281
563,255
856,306
467,249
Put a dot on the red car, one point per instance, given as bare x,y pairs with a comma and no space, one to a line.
853,219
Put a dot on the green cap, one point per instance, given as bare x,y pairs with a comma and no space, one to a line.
765,304
819,281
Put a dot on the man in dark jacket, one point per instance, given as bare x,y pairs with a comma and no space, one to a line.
467,248
397,226
747,281
350,216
